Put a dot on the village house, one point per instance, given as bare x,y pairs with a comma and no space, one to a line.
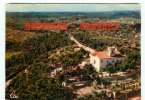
99,60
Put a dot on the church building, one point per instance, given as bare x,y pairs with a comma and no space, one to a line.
99,60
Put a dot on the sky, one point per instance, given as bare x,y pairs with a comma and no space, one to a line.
70,7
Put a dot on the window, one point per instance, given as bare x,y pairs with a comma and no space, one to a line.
94,61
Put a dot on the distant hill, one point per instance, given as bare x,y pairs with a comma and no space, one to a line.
106,14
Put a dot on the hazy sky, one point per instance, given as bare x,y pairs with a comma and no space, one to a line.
70,7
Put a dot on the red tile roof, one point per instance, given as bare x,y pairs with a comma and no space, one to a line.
104,54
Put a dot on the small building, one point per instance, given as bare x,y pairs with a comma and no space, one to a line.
55,71
99,60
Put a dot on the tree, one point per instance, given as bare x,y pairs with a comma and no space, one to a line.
134,59
111,69
90,69
124,66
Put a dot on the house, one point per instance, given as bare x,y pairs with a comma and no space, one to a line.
99,60
55,71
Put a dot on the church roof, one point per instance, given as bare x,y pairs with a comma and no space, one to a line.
104,54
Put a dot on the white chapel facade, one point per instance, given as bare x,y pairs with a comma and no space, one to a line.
99,60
